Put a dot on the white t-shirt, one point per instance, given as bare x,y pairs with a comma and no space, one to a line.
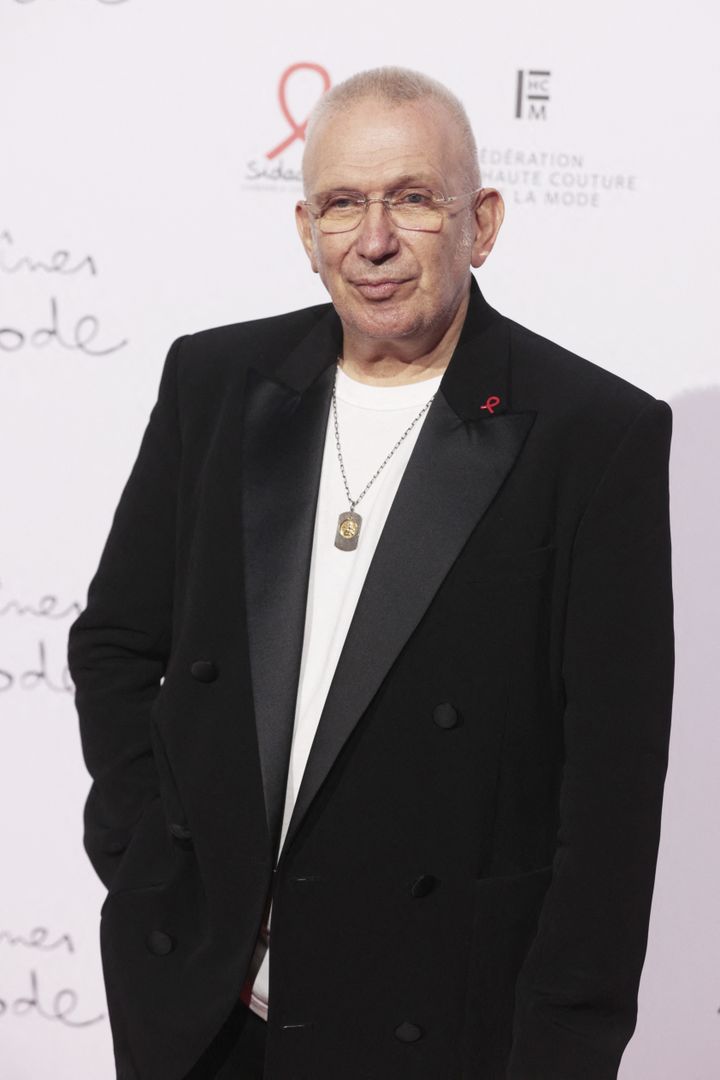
371,419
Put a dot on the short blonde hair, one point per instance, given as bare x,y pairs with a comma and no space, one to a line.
396,86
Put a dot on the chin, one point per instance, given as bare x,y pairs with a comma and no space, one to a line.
378,321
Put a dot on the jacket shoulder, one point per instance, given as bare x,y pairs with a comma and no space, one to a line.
221,351
561,380
585,413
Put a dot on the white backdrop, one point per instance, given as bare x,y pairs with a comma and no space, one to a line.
141,197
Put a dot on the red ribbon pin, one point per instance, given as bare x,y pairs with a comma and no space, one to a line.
491,402
297,130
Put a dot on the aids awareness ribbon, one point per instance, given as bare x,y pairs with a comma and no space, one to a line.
297,131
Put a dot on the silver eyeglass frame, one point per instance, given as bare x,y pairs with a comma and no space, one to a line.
442,202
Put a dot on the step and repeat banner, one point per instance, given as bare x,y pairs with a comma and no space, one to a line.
149,164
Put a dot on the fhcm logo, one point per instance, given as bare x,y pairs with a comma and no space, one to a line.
532,94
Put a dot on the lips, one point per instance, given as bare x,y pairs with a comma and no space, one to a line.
378,290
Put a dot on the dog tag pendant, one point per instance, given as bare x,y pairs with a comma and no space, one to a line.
348,531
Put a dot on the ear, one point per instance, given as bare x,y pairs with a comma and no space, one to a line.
489,213
303,220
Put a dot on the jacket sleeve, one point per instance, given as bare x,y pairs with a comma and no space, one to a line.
576,997
119,645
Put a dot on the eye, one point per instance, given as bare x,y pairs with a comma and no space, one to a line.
341,202
413,197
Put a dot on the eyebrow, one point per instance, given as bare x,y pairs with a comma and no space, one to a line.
408,180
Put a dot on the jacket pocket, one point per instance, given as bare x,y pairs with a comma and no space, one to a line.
175,816
148,859
506,912
159,835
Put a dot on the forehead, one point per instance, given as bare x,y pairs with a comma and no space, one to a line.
372,143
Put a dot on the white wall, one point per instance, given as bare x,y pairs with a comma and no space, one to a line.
134,136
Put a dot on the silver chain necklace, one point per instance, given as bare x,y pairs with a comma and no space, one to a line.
348,526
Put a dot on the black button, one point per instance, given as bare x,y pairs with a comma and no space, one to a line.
180,832
160,943
115,847
423,886
204,670
446,716
115,842
408,1032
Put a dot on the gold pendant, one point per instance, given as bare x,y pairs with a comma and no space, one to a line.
348,531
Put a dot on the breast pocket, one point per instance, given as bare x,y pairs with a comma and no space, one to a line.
509,567
478,583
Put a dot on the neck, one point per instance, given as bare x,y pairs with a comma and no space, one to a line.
393,363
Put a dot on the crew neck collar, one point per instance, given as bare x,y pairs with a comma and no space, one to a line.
365,396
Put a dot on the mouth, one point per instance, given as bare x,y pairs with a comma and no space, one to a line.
378,290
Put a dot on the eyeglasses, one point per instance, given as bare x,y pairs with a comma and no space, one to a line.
416,209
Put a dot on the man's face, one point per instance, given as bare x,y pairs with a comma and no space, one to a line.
389,283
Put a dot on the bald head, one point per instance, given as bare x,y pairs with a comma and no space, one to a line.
396,87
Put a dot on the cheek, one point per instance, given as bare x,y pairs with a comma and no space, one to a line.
465,239
451,264
329,259
435,259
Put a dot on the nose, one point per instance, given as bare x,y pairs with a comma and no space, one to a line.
377,238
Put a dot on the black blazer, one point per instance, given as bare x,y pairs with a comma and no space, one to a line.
465,888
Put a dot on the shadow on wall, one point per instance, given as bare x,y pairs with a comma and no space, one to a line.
695,523
679,991
695,515
692,811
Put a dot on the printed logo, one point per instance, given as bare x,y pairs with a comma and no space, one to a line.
272,169
297,131
532,94
542,175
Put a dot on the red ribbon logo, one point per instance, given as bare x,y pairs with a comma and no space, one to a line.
297,131
491,402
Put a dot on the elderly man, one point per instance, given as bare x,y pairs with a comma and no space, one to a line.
375,674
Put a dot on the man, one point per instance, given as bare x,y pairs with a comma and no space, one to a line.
376,668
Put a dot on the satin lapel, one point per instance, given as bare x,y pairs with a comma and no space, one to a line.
453,475
284,434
